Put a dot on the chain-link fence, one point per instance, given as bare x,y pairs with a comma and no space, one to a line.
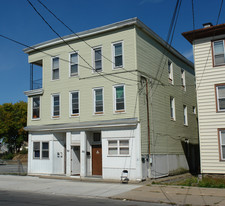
16,167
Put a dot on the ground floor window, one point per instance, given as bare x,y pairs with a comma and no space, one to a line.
222,143
40,150
118,147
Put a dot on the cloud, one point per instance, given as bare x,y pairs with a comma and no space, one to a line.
151,1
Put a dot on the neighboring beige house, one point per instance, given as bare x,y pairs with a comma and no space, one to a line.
117,98
209,56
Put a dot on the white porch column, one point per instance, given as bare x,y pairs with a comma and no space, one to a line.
30,152
68,153
83,159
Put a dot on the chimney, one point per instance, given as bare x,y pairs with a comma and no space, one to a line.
207,24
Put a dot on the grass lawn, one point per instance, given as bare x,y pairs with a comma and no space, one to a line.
210,182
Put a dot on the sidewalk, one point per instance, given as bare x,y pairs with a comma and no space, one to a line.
176,195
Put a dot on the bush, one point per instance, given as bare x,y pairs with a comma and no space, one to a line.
8,156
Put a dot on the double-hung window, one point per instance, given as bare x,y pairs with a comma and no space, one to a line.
172,108
220,97
36,107
118,147
40,150
98,100
74,100
74,64
97,59
170,72
222,143
55,68
55,105
119,98
118,55
218,52
183,80
185,115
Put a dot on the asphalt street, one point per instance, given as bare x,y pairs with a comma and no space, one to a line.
15,198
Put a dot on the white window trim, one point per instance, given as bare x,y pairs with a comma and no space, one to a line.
185,110
94,108
41,158
76,52
52,68
173,107
114,99
52,104
93,58
35,119
170,77
221,148
113,55
70,103
217,99
118,147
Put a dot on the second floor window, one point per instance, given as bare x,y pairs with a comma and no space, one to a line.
118,55
55,105
36,108
97,59
98,101
73,64
75,103
218,52
220,97
55,68
170,72
119,98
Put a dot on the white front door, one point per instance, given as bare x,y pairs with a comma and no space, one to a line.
58,157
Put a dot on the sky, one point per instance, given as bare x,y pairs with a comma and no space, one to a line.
19,21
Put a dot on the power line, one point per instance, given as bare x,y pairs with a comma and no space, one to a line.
65,60
66,42
221,5
75,33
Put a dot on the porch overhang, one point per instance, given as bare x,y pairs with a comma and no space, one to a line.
85,126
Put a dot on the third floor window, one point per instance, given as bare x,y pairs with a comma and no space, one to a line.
218,52
73,64
55,68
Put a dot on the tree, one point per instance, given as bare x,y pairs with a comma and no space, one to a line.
13,119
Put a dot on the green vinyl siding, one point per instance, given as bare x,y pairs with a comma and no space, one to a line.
87,80
165,134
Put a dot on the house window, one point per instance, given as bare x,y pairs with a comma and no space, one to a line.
218,52
170,72
118,55
185,115
119,98
73,64
183,80
220,97
55,68
97,59
36,108
172,108
55,105
118,147
74,96
36,150
98,100
40,150
194,110
222,144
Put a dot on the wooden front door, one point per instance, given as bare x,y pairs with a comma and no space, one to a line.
96,160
